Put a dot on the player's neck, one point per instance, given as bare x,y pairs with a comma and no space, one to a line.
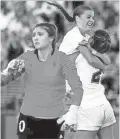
82,31
44,54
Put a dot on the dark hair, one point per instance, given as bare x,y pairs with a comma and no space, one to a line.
52,31
101,41
77,12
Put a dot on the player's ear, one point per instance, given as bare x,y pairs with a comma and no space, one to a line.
77,19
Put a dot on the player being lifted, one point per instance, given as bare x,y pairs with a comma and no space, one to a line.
96,115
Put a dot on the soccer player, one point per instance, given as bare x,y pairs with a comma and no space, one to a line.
96,115
46,69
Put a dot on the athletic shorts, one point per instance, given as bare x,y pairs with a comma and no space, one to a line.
96,118
35,128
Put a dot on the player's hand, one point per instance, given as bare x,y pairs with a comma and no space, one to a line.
69,119
15,66
67,125
94,52
84,43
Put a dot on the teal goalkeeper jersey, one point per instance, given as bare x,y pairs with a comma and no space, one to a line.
45,85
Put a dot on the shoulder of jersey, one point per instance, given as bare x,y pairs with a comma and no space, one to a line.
71,32
29,53
61,53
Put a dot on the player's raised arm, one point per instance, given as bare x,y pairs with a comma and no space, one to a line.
95,51
14,70
103,57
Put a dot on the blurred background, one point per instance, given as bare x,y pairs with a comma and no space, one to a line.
17,19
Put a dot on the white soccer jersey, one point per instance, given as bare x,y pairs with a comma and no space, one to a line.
90,77
91,81
71,41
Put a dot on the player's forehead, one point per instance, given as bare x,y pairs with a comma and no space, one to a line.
88,13
39,29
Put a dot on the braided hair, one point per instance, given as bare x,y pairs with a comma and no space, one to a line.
77,11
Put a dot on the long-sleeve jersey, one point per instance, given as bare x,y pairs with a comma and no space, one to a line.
45,85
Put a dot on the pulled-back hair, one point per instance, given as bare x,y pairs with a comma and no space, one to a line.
52,32
77,12
101,41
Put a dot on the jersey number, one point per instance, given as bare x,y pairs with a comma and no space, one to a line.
22,126
96,77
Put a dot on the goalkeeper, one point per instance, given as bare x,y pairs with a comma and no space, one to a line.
46,70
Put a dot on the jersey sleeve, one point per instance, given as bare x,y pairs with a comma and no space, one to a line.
70,72
23,56
68,46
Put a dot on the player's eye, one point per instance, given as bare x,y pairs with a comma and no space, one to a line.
88,17
40,34
33,35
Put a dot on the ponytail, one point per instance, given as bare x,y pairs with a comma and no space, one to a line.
67,16
77,11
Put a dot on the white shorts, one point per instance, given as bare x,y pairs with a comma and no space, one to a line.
96,118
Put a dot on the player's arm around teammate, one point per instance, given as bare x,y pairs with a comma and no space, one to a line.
84,19
101,47
83,16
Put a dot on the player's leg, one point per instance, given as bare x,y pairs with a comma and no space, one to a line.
86,134
89,122
22,137
70,135
106,131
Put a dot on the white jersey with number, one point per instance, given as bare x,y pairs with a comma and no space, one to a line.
91,81
90,77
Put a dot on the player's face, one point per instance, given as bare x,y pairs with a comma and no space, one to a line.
40,38
86,20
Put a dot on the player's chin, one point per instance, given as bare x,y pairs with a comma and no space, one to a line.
37,47
89,28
